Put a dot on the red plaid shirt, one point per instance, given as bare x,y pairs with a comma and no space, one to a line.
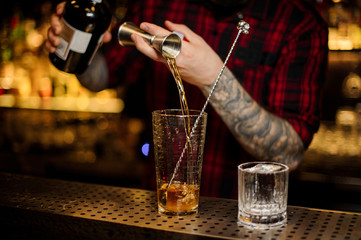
281,63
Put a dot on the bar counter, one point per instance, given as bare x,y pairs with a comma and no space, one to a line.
42,208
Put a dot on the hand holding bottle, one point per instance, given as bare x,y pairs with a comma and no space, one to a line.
77,29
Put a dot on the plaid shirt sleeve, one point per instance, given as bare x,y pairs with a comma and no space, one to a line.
285,61
300,73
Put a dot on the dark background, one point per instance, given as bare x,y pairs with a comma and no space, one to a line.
327,178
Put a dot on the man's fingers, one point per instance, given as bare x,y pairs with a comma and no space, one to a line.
145,48
188,33
60,8
49,47
107,37
55,24
154,29
53,39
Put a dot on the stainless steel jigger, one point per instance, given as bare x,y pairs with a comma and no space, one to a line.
169,46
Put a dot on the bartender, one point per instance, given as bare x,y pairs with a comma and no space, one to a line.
266,105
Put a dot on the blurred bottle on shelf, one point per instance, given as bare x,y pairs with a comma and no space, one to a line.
344,25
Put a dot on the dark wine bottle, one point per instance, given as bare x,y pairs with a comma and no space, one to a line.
84,25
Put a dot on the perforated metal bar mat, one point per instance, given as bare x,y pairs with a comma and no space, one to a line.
64,209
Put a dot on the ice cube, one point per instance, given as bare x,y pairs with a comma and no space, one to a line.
264,168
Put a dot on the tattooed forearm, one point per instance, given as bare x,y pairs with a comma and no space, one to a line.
263,134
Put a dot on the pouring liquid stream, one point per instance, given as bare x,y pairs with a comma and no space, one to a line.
181,189
183,102
182,97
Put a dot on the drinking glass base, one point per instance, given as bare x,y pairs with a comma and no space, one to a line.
163,211
262,223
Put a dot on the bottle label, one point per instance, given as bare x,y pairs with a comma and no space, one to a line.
72,39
